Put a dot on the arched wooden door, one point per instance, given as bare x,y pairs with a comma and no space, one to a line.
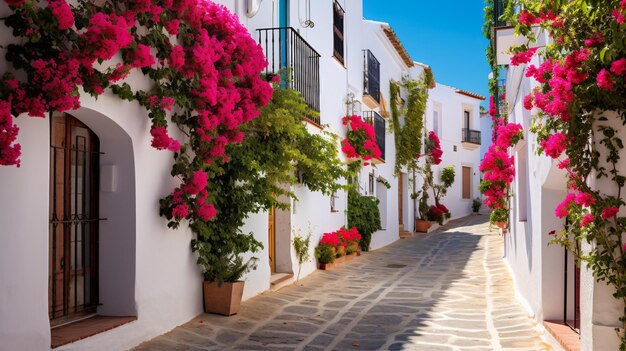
73,233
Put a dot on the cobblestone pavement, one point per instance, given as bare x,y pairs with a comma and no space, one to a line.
447,290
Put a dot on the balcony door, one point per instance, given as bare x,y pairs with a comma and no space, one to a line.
466,120
73,232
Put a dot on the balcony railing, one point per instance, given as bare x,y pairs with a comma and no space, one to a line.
499,6
371,75
471,136
285,49
378,122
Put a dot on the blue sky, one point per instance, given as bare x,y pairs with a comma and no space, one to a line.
443,34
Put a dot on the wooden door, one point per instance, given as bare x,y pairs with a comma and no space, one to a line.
400,202
73,233
467,182
271,247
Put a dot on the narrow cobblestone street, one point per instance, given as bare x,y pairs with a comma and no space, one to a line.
448,290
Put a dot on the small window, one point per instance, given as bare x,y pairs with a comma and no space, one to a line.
467,182
338,14
333,197
436,122
371,183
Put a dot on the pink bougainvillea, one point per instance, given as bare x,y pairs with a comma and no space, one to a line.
523,57
212,67
554,145
360,141
434,147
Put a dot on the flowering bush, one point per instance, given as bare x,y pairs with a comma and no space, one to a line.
202,65
66,47
433,148
499,169
348,238
582,74
360,141
437,213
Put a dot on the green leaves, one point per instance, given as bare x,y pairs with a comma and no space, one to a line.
363,213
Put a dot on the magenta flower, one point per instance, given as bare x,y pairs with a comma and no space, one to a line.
604,80
618,67
587,218
554,145
609,212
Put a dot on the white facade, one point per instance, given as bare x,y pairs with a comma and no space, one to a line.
539,269
147,270
446,116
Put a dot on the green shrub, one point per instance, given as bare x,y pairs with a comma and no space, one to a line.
476,205
363,214
324,254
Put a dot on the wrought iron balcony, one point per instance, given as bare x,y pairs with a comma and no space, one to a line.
371,76
286,50
471,136
378,122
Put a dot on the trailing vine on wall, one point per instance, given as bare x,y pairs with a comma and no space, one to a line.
580,108
408,139
276,153
202,65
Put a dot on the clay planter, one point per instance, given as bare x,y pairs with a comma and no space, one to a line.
501,225
422,225
339,260
326,266
225,299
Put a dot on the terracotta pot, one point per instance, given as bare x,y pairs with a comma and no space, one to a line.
326,266
341,250
339,260
501,225
422,225
225,299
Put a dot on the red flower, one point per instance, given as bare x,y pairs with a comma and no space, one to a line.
609,212
63,13
554,145
587,218
604,80
618,67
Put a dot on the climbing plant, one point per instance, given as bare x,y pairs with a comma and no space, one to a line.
276,153
197,65
408,139
580,108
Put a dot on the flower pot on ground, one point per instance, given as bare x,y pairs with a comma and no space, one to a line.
422,225
325,255
224,299
476,205
326,266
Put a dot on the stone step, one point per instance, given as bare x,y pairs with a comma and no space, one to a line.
405,234
280,280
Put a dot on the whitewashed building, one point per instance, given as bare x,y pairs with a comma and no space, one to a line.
454,115
147,279
547,281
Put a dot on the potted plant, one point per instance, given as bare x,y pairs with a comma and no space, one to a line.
499,217
476,205
325,256
275,146
422,224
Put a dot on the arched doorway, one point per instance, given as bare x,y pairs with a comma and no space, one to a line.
74,219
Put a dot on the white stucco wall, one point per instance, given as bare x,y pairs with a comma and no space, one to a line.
148,270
